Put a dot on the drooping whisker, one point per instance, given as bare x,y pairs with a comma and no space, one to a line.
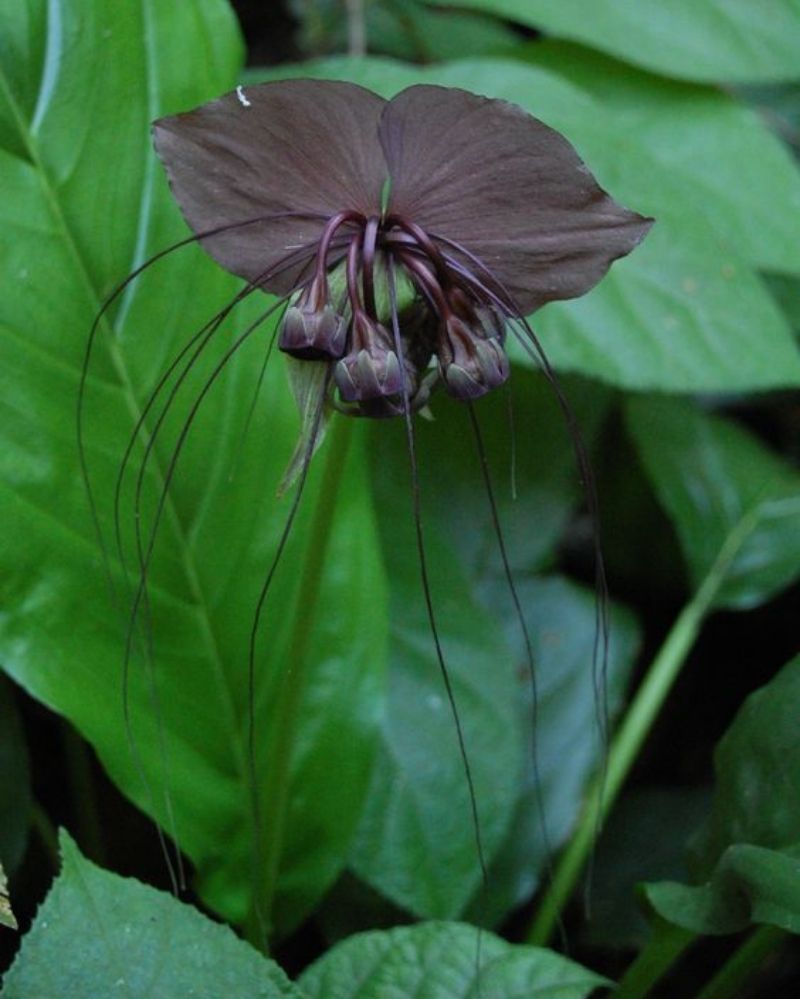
526,640
428,598
204,335
199,341
89,350
531,344
256,623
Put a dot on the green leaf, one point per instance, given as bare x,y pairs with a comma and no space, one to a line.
410,30
438,960
416,841
680,312
734,40
98,934
749,885
15,781
739,175
756,764
560,618
84,205
403,29
413,845
532,465
749,847
735,505
644,838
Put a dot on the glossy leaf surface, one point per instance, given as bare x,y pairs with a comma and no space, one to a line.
711,41
730,163
735,505
411,845
680,312
749,847
572,696
183,754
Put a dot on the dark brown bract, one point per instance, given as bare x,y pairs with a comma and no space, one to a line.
402,233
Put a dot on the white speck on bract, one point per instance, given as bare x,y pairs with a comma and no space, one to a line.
242,98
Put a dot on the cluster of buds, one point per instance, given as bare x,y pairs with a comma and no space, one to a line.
404,319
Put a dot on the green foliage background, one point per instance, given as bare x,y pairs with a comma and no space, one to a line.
352,729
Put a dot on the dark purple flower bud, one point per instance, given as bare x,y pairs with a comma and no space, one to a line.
312,335
492,322
371,370
471,366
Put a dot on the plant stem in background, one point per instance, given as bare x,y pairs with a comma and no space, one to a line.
356,28
274,793
666,944
638,721
745,962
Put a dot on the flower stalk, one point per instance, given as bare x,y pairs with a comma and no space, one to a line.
274,793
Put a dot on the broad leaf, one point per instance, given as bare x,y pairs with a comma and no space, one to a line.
735,40
416,842
741,178
749,885
735,505
412,846
98,934
84,205
748,850
678,313
411,31
532,465
15,785
644,838
571,698
756,765
438,960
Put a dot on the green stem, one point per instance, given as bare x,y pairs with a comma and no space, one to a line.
274,793
744,963
644,708
663,949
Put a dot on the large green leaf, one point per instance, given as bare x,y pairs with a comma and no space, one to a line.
749,885
734,40
741,178
748,850
735,505
406,30
98,934
15,783
680,312
438,960
756,765
85,204
416,842
644,838
571,699
412,846
532,464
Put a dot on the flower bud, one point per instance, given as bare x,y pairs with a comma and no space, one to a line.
471,366
491,321
312,334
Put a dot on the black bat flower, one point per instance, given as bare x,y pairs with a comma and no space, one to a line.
402,231
404,239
